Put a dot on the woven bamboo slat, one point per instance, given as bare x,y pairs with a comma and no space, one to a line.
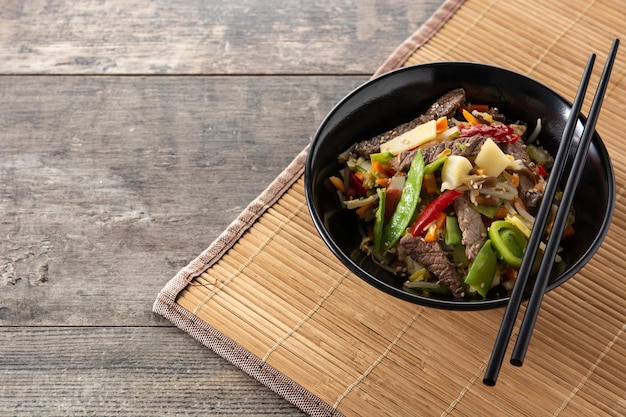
336,346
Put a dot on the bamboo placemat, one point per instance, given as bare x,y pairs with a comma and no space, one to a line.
269,296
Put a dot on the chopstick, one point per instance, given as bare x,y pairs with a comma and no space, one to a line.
534,304
517,294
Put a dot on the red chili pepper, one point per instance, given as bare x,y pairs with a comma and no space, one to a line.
499,133
433,209
542,171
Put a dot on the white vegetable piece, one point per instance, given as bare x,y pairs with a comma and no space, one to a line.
411,139
492,159
454,172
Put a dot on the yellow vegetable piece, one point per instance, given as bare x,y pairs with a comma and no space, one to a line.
454,172
492,159
419,275
411,139
517,221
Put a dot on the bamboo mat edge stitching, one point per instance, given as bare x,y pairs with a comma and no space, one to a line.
165,303
166,306
406,49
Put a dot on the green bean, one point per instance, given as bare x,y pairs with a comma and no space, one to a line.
403,213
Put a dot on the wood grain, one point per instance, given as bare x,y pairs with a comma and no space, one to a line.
212,37
113,184
121,371
131,134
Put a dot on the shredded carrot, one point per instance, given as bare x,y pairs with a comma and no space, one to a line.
511,274
432,233
359,175
500,213
363,209
376,165
568,231
515,178
442,124
430,183
383,182
338,183
470,117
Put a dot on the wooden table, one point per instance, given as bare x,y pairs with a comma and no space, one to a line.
131,134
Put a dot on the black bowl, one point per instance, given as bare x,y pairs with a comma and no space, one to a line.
398,96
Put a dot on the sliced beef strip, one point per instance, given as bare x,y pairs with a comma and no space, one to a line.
518,150
528,177
402,161
466,146
474,232
527,190
446,105
432,257
496,115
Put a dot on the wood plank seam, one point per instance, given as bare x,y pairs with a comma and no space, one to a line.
587,364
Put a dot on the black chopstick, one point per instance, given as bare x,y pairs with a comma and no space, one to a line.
534,304
517,294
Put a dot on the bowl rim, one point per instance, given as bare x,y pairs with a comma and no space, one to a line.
436,302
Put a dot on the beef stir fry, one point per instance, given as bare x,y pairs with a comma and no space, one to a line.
447,200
